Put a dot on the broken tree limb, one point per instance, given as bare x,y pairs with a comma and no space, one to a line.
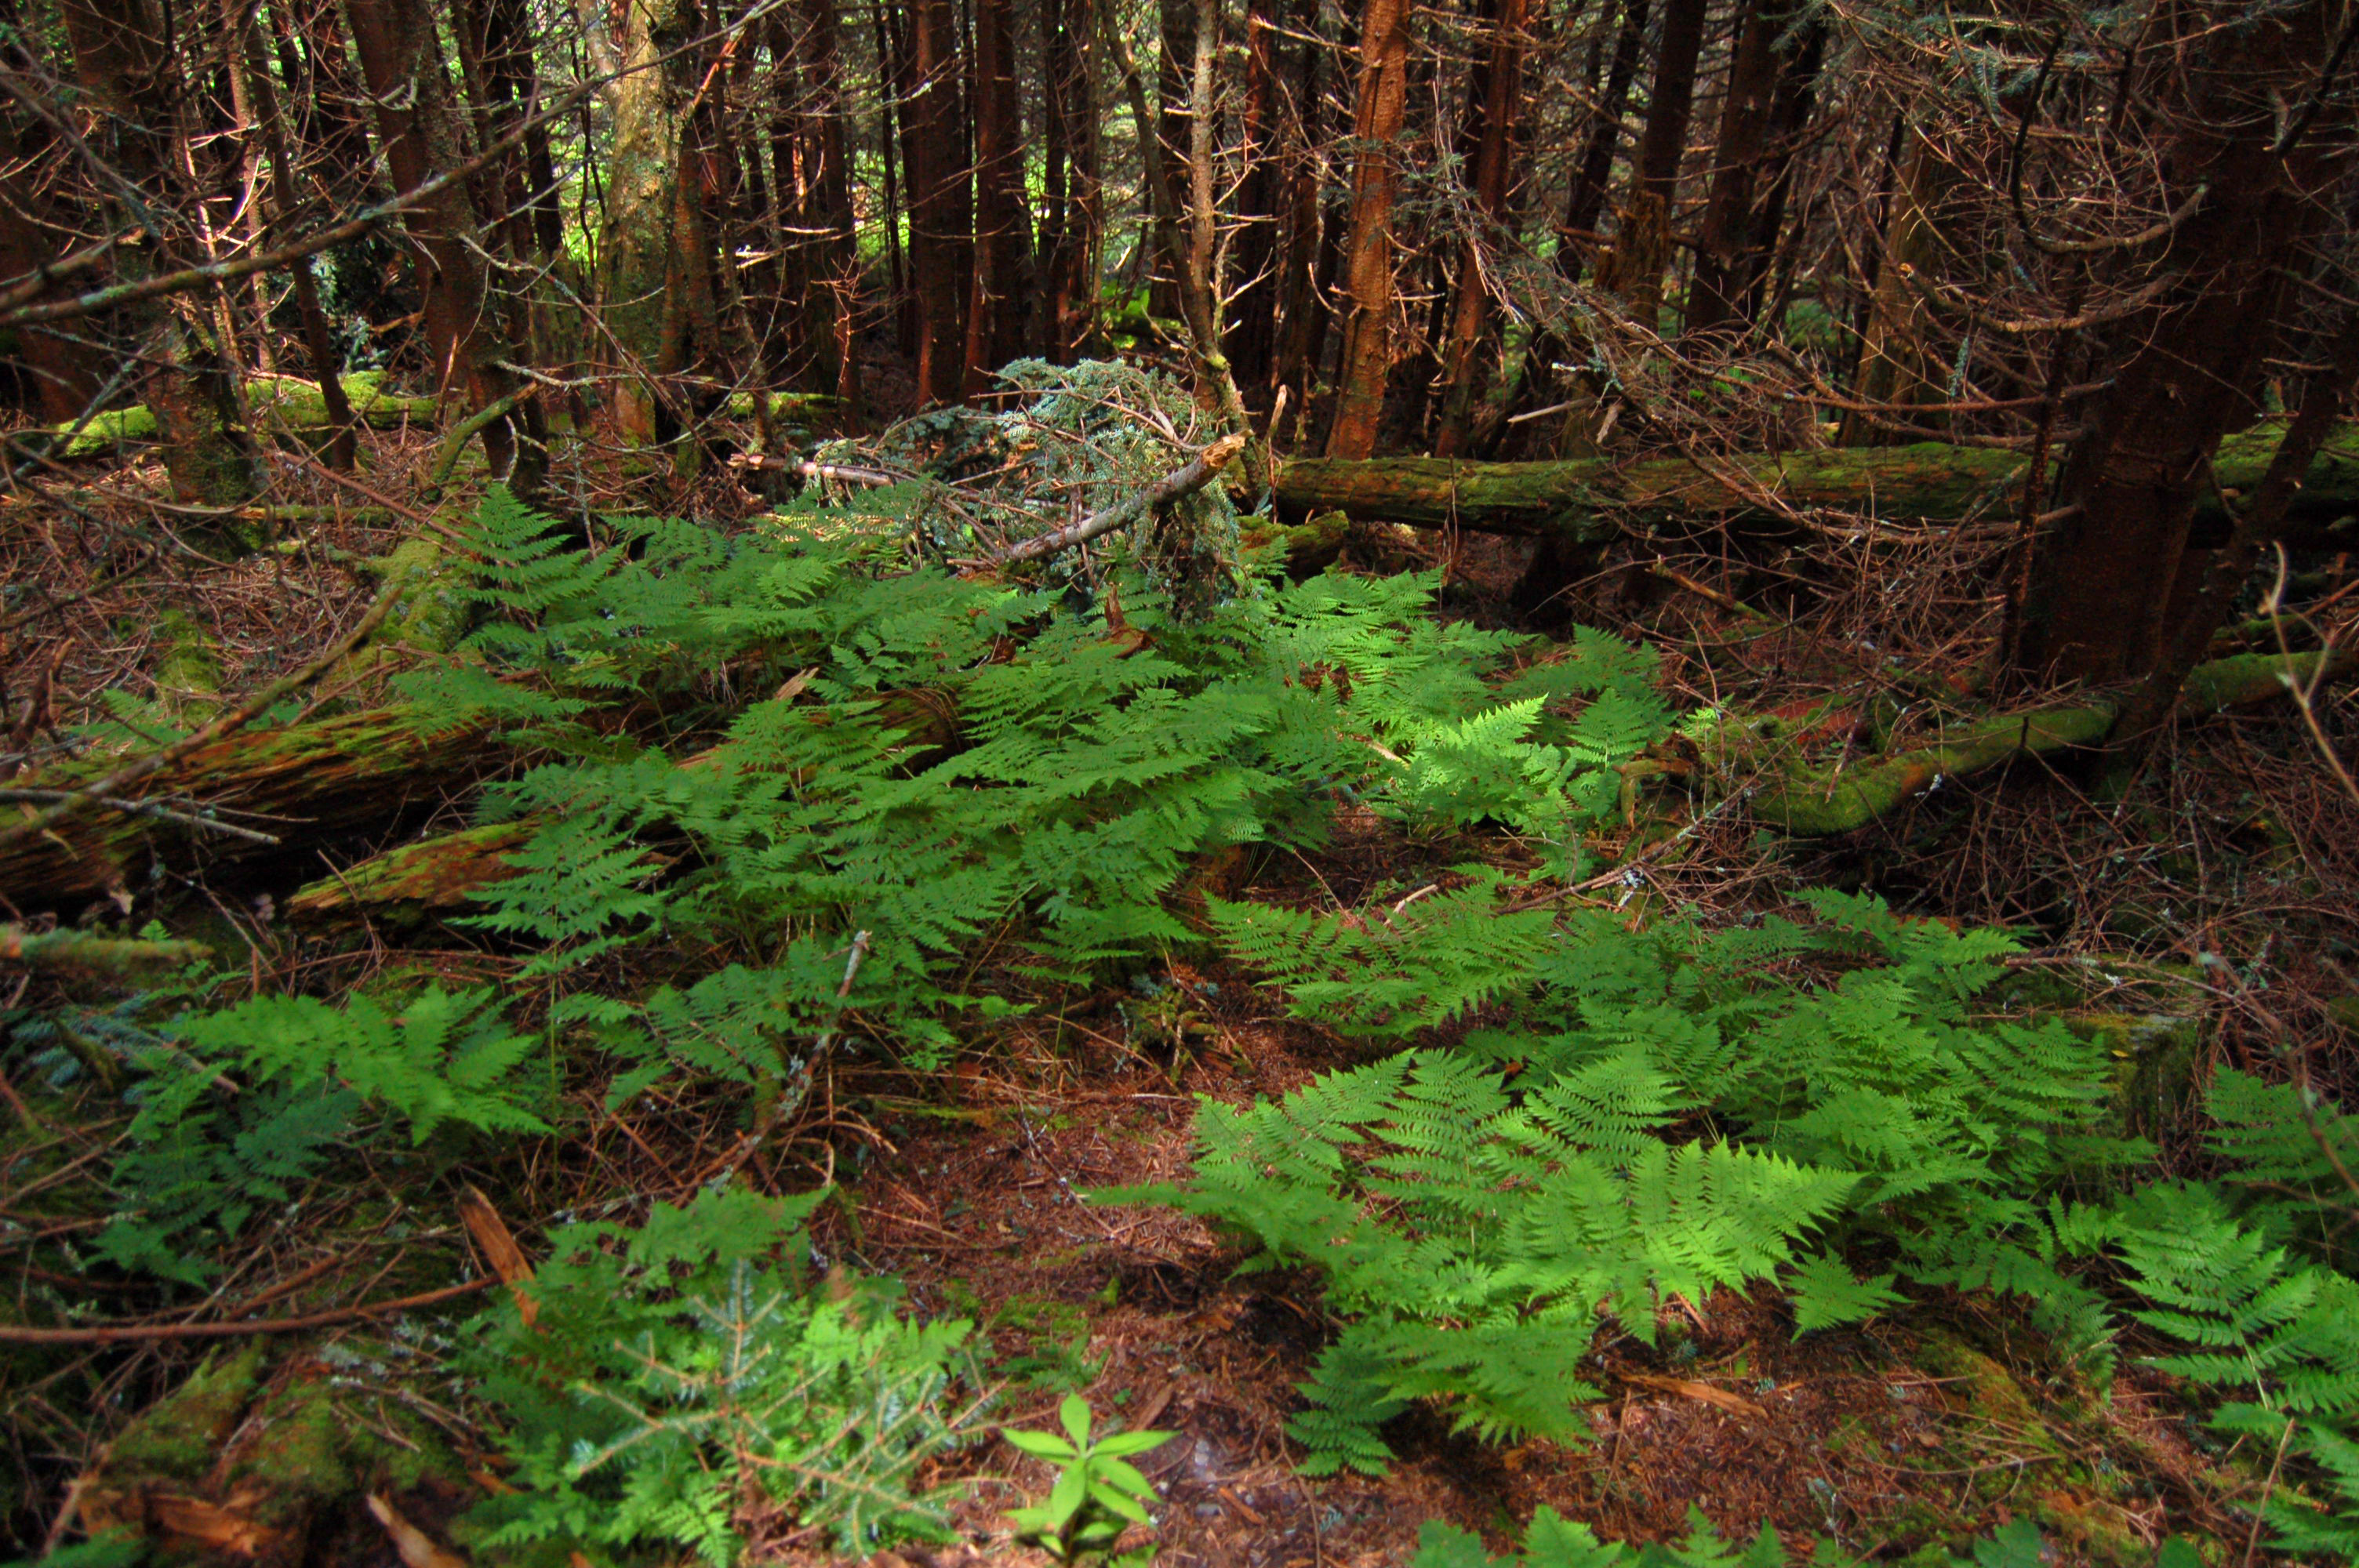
1819,802
1200,472
1594,500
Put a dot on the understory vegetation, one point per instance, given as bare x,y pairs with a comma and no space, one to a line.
800,801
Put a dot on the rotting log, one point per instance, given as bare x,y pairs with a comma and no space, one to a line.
1820,802
1592,500
336,775
70,948
433,876
273,403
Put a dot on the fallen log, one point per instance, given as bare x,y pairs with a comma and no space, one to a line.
274,404
1591,500
334,775
1820,802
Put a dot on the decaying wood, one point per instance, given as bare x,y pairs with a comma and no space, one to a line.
1817,802
334,775
1594,500
71,948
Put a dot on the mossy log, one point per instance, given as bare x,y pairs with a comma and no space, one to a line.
1591,500
273,403
433,876
69,948
1817,802
345,774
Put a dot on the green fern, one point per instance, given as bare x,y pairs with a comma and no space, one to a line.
1475,1240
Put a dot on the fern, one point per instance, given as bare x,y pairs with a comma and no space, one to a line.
677,1383
1475,1240
239,1107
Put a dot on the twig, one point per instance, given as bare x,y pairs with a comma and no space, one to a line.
1200,472
235,719
138,808
132,1333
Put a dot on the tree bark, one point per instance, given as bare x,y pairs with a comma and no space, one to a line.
1001,301
401,58
1725,238
833,309
327,363
1495,94
1642,240
639,275
2112,580
1252,342
1896,368
1383,100
123,56
932,137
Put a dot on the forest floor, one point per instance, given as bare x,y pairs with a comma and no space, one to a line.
1928,1426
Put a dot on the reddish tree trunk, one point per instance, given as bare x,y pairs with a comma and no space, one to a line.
2113,577
1002,298
401,59
936,192
1642,240
1383,100
833,310
1496,91
57,370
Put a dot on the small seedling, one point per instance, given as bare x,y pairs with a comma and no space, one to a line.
1098,1494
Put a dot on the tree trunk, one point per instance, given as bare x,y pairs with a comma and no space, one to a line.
637,269
1595,499
124,55
2113,579
1642,240
833,315
1495,94
1308,267
57,370
1585,200
1375,180
936,194
1725,239
1252,341
1073,236
1002,300
401,59
1896,367
327,363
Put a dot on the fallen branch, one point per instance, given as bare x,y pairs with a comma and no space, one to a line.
1200,472
134,1332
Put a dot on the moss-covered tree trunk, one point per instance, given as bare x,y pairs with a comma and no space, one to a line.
1595,499
639,272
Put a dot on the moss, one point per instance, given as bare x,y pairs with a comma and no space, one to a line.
273,403
306,1449
182,1436
189,671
